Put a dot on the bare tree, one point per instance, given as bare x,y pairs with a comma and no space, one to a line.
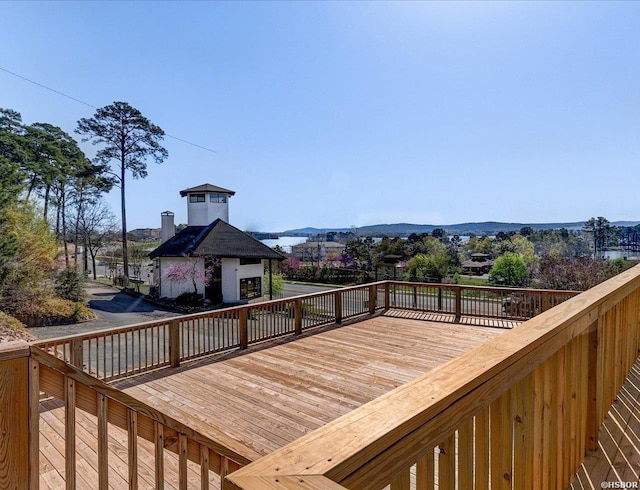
96,226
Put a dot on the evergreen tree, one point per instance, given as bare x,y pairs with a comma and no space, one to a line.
129,138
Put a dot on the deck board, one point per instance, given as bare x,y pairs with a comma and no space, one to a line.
265,398
617,458
258,400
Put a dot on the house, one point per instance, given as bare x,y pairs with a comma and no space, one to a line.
145,233
478,264
317,251
212,257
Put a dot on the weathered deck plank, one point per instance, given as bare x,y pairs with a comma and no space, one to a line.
267,397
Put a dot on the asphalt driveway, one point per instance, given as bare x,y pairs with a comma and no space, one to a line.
113,309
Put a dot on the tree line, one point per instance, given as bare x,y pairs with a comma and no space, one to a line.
51,193
554,259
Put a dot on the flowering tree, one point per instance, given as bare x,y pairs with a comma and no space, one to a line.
189,271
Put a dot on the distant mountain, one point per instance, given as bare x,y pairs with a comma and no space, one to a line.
406,229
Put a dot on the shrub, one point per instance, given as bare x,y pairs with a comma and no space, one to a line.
46,311
70,285
190,299
8,321
121,280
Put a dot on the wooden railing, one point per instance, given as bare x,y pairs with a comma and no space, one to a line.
518,412
29,374
474,301
67,369
116,353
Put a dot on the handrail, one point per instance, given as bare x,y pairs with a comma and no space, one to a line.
117,407
547,385
124,351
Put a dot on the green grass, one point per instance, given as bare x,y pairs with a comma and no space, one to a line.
473,281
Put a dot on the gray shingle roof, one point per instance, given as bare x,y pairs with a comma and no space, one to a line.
207,188
219,239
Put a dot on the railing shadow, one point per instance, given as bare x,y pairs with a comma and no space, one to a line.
617,458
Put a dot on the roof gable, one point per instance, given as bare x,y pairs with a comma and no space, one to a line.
219,239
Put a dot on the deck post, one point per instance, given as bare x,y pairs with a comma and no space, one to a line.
14,415
174,343
592,389
546,301
387,296
298,316
458,291
337,296
244,334
372,299
77,354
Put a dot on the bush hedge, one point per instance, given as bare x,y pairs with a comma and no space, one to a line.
48,311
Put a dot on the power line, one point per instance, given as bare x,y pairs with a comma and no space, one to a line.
93,106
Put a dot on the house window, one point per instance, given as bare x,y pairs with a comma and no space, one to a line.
196,198
250,261
250,288
217,197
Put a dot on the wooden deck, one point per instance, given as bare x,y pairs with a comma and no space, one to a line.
258,400
617,458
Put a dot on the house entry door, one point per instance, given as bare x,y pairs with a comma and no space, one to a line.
213,290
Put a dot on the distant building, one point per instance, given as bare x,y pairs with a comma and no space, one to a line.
316,251
145,233
233,260
478,265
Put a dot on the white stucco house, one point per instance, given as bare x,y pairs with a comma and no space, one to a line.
234,261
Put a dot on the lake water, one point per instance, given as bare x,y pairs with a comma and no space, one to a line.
285,242
621,254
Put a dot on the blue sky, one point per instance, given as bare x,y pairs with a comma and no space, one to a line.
334,114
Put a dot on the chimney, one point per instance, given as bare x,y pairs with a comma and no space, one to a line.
168,229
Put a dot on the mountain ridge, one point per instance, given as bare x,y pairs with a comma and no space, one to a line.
477,228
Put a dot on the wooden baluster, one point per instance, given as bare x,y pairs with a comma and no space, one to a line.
182,462
465,455
482,449
372,299
458,291
34,426
77,354
158,430
298,314
425,472
447,464
70,433
174,342
204,467
520,436
337,296
594,392
103,442
403,482
243,317
501,431
132,446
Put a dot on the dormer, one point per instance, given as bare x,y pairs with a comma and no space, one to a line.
207,203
